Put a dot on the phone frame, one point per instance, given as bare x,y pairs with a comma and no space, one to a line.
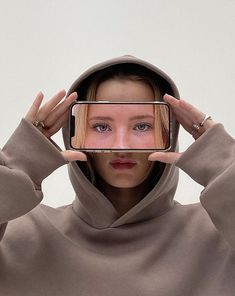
119,150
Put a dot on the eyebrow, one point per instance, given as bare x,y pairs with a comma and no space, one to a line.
108,118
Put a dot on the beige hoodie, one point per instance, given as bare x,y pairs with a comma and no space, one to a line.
159,247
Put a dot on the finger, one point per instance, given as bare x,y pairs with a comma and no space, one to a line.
171,100
179,112
186,114
166,157
183,109
51,130
31,114
60,109
50,105
71,155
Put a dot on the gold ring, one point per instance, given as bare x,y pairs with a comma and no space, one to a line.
39,123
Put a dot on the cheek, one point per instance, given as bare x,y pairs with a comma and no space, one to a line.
90,139
145,164
99,162
145,141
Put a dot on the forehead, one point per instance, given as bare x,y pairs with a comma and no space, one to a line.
124,90
120,110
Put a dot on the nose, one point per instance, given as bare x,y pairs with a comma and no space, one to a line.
121,140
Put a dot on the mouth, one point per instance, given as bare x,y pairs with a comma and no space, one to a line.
123,164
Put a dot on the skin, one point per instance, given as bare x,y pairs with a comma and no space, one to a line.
130,187
124,188
120,126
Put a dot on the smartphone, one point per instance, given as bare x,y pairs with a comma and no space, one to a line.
103,126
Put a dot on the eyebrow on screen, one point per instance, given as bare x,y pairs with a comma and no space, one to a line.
108,118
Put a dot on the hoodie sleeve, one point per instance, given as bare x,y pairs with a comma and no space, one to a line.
210,161
27,158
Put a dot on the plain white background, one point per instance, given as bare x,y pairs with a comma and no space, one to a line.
46,45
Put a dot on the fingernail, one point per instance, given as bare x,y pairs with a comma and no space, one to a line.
40,94
169,96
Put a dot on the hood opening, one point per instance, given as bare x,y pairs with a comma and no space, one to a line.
122,71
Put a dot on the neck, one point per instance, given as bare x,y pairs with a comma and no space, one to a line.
123,199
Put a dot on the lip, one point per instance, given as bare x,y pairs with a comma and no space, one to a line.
123,163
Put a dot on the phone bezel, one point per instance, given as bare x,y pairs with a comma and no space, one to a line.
120,150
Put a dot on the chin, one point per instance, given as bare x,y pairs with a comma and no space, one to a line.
125,183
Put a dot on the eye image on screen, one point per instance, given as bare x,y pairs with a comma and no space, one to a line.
120,126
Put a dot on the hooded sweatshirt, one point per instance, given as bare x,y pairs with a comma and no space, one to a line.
158,247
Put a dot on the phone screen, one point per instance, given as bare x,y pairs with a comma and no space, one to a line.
116,126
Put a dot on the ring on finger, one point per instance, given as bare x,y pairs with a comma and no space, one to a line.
207,117
38,123
196,127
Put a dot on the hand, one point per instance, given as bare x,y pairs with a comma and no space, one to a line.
54,115
186,115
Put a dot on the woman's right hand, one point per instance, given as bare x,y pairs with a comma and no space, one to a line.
54,115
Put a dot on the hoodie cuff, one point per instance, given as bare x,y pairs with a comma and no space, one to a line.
209,155
30,151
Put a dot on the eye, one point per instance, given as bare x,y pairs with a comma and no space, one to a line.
101,127
143,126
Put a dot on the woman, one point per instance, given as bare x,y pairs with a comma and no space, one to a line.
123,234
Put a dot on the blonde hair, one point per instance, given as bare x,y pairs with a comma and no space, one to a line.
80,125
160,114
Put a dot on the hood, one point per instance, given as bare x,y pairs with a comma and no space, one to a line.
90,204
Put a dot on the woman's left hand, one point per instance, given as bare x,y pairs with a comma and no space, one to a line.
186,115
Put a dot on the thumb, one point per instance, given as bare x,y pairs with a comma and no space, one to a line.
166,157
71,155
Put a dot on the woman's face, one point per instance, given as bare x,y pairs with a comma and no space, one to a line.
123,169
120,126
